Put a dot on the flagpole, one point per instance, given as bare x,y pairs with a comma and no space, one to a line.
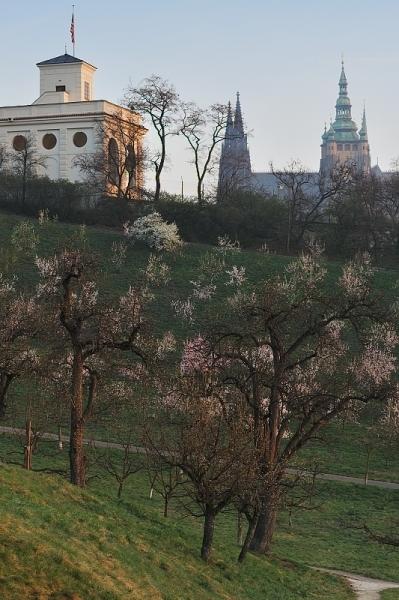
73,20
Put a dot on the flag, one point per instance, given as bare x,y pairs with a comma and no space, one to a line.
72,30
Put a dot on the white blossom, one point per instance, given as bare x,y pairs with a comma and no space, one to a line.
237,275
154,232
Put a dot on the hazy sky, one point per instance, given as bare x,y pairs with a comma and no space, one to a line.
283,55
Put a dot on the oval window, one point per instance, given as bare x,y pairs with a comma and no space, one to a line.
80,139
19,143
49,141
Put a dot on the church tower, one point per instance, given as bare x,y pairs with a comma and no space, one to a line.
342,143
235,162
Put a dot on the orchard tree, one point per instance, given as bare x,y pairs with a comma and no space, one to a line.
92,329
158,102
154,232
205,436
20,324
299,351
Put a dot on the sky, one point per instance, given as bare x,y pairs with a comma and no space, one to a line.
282,55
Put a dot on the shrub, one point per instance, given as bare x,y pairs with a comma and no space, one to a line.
154,232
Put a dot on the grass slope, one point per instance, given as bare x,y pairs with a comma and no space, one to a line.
344,450
319,537
61,543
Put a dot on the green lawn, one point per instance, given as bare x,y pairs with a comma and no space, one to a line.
320,537
59,542
344,451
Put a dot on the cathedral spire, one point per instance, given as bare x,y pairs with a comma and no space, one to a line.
238,123
363,132
230,132
229,115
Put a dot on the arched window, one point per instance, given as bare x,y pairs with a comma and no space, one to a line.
131,164
113,161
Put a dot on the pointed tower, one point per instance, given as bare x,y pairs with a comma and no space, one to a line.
343,143
238,123
230,123
363,132
235,162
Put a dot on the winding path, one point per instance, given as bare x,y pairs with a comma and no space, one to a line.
364,587
388,485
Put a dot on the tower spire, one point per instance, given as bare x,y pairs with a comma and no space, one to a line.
238,123
229,123
343,106
363,131
343,82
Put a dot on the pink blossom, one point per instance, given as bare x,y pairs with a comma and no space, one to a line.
196,356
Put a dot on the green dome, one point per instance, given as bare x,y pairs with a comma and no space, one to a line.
343,101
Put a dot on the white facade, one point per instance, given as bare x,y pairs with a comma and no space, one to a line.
64,121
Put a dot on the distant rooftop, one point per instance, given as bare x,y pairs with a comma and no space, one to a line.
61,60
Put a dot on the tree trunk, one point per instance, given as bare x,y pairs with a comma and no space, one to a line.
199,191
5,380
207,540
28,446
166,506
240,530
76,447
367,471
120,489
265,526
248,538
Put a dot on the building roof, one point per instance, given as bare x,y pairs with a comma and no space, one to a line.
60,60
267,183
64,59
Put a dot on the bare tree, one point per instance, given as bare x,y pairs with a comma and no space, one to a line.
25,161
158,101
4,157
307,195
166,480
120,464
118,165
204,130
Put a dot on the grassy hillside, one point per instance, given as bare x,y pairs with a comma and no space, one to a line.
60,543
344,451
39,507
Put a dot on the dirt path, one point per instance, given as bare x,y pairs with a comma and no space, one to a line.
364,587
388,485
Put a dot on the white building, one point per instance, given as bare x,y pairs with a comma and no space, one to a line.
65,121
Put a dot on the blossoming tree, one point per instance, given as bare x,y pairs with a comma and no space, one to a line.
299,351
20,322
92,328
